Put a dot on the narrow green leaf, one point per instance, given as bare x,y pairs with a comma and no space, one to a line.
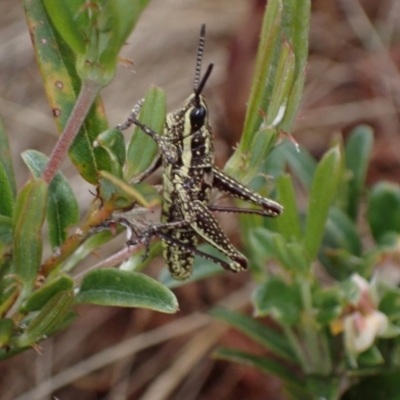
281,90
262,364
62,85
295,27
268,42
111,287
6,230
62,206
293,102
133,193
357,151
47,320
142,148
117,18
27,245
263,334
288,223
301,163
5,158
270,245
340,251
322,193
112,140
38,299
67,17
280,300
6,329
6,194
384,209
264,142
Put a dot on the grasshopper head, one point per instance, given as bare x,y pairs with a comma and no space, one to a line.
198,113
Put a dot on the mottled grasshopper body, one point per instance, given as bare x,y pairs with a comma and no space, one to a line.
187,156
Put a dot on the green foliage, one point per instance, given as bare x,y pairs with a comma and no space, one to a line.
111,287
62,206
76,46
316,322
277,84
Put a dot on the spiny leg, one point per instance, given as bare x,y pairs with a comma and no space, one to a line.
148,233
236,210
203,222
132,116
226,184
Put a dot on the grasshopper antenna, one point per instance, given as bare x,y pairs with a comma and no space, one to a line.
199,57
199,85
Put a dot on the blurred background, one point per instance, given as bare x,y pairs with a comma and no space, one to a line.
353,77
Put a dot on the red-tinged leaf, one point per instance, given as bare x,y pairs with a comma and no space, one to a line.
62,85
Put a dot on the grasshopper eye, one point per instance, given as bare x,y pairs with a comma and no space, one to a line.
197,117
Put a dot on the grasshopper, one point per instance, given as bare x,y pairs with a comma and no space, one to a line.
189,175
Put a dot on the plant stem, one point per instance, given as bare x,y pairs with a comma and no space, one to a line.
87,95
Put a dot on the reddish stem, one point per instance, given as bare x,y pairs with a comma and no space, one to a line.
87,95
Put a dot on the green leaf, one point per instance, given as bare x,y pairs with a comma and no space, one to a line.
282,87
340,251
53,312
113,187
6,329
117,18
38,299
5,159
263,334
278,80
27,245
262,364
57,66
384,209
301,163
67,17
112,141
268,41
290,255
95,32
111,287
62,206
6,230
142,148
295,27
357,151
280,300
7,197
322,193
288,223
